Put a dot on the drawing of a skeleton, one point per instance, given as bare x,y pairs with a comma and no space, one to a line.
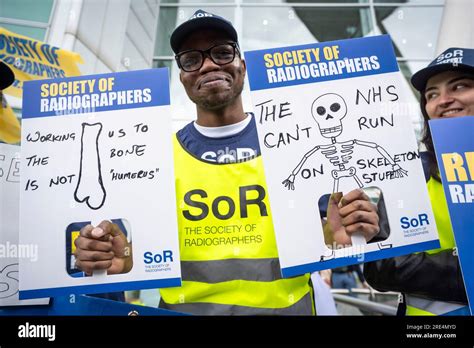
328,110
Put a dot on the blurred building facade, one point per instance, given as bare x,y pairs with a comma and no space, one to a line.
119,35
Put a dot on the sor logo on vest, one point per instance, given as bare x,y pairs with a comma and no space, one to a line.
163,257
227,155
415,225
225,201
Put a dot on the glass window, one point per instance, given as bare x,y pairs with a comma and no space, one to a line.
283,26
276,23
31,10
409,67
177,2
170,17
166,24
402,2
34,33
162,63
410,39
308,1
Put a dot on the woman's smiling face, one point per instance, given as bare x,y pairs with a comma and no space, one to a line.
450,94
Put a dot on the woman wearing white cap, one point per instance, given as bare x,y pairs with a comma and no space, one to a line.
431,281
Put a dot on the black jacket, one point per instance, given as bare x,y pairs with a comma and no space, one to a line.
434,276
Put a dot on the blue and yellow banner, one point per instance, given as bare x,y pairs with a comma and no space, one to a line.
325,61
33,60
10,129
454,146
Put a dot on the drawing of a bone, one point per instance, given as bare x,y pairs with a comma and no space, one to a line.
90,188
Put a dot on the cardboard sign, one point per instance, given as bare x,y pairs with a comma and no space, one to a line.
98,148
454,147
10,250
332,117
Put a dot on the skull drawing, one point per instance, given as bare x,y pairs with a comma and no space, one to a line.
328,110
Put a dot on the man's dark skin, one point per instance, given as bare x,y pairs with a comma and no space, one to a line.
216,91
103,247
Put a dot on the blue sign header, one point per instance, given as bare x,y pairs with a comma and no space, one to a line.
96,93
324,61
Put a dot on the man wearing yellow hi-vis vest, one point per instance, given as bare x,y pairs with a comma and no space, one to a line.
229,257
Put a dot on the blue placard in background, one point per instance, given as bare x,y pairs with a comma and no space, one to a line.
454,144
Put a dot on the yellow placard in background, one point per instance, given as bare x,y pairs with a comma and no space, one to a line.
34,60
10,130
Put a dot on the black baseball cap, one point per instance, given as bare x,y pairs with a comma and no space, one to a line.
201,20
6,76
453,58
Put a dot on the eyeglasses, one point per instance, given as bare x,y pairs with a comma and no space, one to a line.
221,54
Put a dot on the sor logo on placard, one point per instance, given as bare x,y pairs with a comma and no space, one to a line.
415,225
158,258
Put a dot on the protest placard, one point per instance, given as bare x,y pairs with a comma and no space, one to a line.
454,147
98,148
10,250
333,117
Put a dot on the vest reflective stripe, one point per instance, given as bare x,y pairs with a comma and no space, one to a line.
216,271
277,294
227,244
417,305
421,306
298,308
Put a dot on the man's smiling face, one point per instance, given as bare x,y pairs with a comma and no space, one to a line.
212,86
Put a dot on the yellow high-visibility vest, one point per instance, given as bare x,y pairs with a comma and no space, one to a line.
441,214
229,257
